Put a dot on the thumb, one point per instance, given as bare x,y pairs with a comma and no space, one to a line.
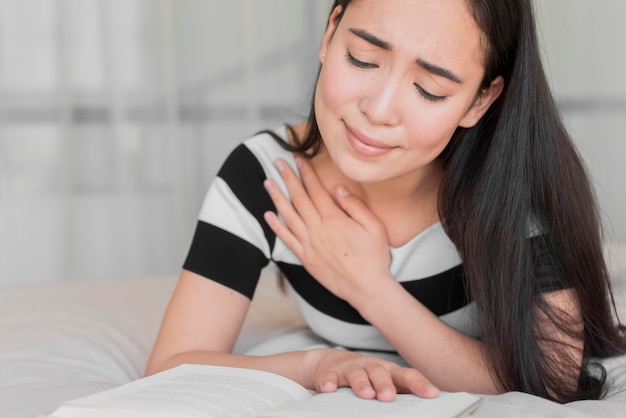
329,382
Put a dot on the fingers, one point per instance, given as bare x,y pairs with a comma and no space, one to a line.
302,211
357,210
368,382
371,377
359,380
378,381
320,197
284,233
299,213
301,197
312,201
295,227
382,383
315,192
329,382
412,381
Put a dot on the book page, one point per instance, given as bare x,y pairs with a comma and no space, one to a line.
344,403
190,391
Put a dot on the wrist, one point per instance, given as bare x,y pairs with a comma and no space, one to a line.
378,293
379,299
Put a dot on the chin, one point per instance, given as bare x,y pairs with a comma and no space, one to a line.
363,172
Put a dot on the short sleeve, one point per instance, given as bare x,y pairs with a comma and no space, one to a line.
232,243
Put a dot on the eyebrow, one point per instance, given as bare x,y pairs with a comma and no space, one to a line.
431,68
441,72
368,37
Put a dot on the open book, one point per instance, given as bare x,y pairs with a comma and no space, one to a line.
193,391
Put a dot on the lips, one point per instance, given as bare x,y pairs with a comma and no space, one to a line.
365,145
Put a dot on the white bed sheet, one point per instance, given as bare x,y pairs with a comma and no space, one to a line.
64,340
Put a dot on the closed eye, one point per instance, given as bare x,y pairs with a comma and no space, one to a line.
428,96
367,65
358,63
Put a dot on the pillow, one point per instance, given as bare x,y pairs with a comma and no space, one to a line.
63,340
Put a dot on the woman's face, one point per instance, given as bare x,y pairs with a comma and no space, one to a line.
398,77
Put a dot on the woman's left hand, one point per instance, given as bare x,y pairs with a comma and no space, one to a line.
342,244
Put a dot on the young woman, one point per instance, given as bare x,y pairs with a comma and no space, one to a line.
443,214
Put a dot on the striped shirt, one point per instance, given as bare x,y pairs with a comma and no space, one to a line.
232,244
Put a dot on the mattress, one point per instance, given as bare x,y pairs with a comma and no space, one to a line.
63,340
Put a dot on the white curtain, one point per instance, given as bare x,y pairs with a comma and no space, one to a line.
116,114
585,48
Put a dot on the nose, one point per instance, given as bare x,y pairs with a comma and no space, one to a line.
381,102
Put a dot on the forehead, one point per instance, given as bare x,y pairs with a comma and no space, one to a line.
440,31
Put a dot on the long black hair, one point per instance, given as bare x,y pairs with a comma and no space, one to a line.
514,175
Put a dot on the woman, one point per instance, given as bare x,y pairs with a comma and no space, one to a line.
432,139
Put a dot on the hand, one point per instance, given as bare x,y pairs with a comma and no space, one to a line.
369,377
343,245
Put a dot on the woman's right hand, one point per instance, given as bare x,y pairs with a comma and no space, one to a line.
369,377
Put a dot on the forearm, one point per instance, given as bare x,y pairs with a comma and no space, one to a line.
450,359
296,365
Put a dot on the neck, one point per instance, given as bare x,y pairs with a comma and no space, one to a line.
410,189
414,189
405,205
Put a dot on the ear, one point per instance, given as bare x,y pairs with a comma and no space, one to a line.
330,31
482,103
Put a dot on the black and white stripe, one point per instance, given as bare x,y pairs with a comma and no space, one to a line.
233,243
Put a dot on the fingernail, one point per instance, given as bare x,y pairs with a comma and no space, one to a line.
342,191
280,166
430,388
367,392
298,162
269,186
270,217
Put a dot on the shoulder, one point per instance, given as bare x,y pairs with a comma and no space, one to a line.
256,155
267,146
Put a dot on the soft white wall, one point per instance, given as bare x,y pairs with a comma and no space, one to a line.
585,49
242,57
114,116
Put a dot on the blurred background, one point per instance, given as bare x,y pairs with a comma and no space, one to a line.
116,114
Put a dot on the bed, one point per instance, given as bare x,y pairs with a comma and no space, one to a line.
63,340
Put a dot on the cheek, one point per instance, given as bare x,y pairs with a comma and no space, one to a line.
334,88
431,129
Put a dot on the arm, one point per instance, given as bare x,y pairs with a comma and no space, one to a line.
454,361
203,320
344,240
201,325
202,315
